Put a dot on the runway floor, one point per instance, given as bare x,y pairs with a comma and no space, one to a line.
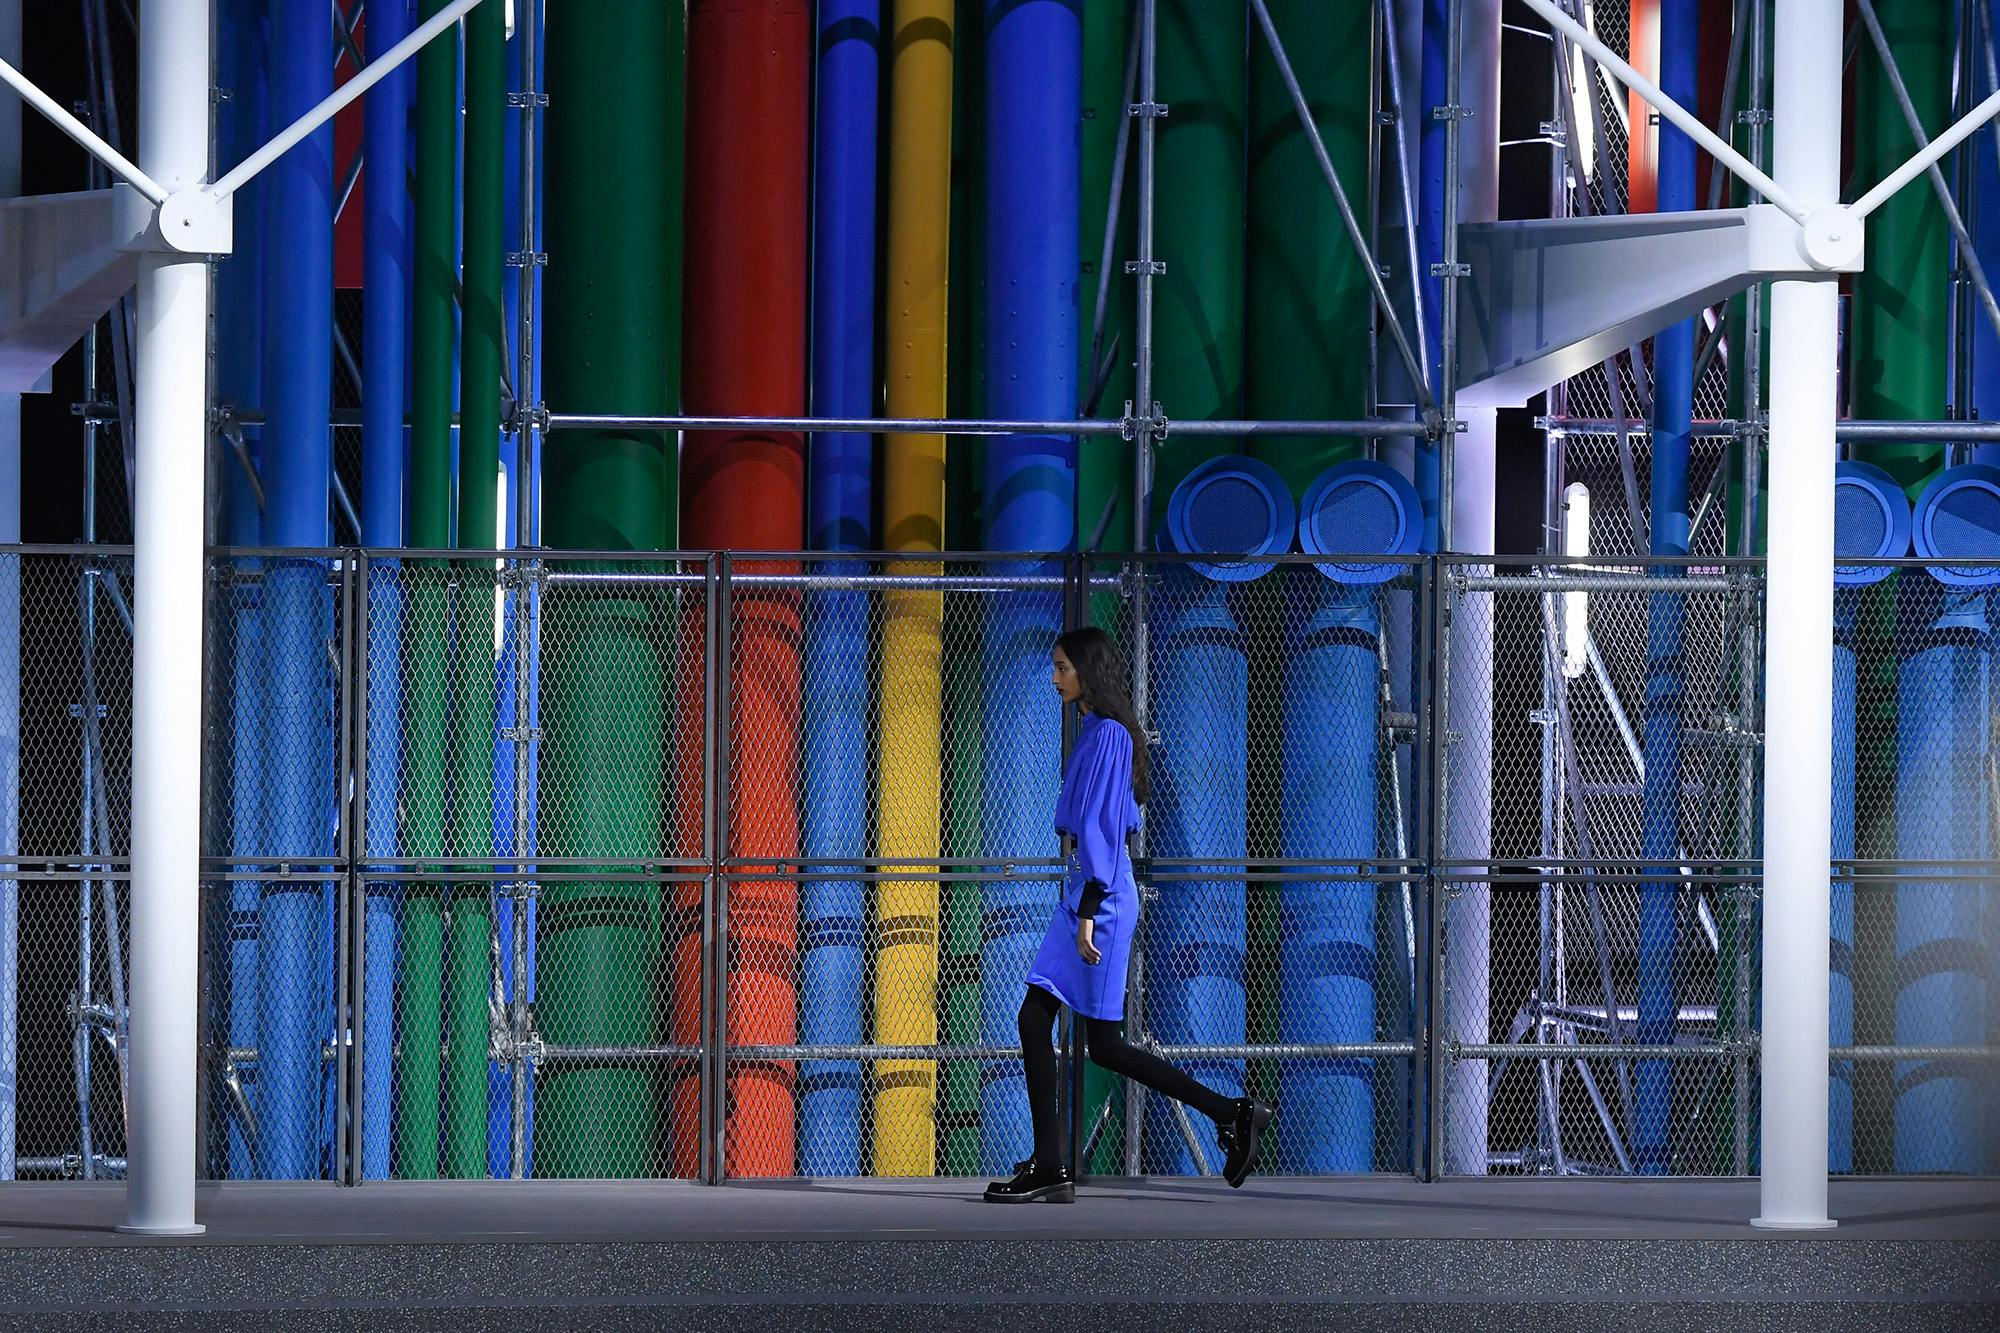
1280,1253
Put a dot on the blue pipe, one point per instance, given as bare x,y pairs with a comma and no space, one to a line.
834,731
1673,411
1327,972
294,963
384,451
1984,157
239,365
1197,929
1943,720
1871,519
1034,101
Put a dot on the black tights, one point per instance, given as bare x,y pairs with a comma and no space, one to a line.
1109,1049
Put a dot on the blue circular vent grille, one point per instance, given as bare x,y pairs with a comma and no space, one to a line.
1871,520
1960,516
1231,506
1360,508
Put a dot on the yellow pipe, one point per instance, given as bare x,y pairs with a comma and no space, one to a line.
906,911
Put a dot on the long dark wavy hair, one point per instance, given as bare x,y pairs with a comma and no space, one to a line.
1100,668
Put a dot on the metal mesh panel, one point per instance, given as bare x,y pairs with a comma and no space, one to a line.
464,909
274,774
1277,956
1639,926
532,960
65,815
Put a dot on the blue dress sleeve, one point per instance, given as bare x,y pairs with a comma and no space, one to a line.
1096,807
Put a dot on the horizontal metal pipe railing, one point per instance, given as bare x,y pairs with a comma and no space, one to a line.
1528,1050
1848,432
1127,427
1237,1051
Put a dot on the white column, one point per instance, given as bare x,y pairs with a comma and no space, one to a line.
1798,719
171,425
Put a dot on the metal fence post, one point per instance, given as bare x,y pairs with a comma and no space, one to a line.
715,908
1075,589
1433,647
346,1080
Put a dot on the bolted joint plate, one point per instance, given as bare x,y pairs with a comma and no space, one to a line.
1833,240
190,222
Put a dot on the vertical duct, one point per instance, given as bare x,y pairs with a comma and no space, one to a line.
1196,932
1871,520
1332,748
419,1034
1678,41
910,799
384,445
1199,228
1944,813
834,730
1308,308
470,791
239,367
294,962
612,346
1034,87
749,74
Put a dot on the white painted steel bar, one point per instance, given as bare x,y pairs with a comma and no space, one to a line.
377,70
1798,720
82,133
171,419
1916,166
1688,123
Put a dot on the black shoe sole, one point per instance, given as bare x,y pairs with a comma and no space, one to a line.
1064,1193
1260,1117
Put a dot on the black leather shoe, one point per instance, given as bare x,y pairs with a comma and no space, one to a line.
1243,1139
1031,1185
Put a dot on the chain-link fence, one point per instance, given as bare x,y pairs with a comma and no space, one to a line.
733,866
1599,959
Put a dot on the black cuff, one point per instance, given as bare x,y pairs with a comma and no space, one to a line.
1093,898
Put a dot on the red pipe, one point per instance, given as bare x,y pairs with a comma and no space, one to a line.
749,80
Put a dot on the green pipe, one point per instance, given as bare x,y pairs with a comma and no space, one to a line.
469,947
1902,300
1198,230
1308,302
965,465
420,1031
1900,367
612,300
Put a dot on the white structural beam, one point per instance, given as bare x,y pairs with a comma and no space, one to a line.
1547,300
171,426
1798,717
62,264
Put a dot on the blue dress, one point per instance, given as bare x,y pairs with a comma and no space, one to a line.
1096,808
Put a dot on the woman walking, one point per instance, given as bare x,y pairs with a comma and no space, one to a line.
1083,957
